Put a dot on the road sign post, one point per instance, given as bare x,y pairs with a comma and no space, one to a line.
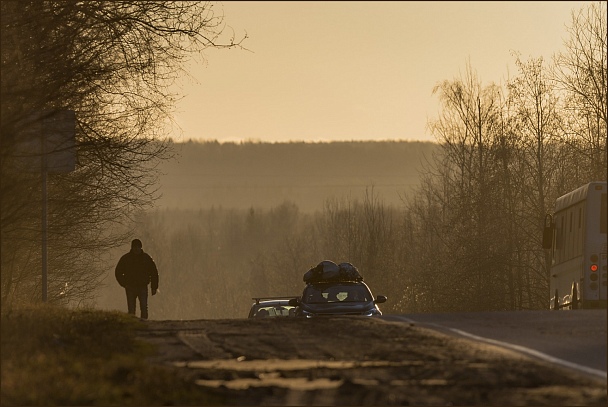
47,143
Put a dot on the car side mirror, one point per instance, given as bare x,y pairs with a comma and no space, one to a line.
380,299
294,302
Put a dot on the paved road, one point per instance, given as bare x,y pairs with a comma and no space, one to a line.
573,339
338,361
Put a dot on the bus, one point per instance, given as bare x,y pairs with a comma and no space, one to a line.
575,234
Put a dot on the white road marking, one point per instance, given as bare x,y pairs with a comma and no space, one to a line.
535,353
518,348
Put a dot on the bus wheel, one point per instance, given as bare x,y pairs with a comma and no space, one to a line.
556,301
574,300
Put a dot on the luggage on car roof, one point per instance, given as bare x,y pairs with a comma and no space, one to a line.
329,271
349,272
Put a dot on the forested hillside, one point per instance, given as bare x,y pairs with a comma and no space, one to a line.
251,174
467,238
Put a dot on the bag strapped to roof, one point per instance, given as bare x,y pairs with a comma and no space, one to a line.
328,271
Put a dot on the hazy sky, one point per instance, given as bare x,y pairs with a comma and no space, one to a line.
355,70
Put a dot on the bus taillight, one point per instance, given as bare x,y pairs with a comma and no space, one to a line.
593,266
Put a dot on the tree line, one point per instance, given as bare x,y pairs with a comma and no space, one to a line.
213,261
507,154
467,239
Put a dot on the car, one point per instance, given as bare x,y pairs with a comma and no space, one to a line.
271,307
330,298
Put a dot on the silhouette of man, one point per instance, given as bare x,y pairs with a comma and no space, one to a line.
134,271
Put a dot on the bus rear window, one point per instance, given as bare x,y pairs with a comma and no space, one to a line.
603,214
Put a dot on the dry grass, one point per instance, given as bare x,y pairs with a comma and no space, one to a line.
56,356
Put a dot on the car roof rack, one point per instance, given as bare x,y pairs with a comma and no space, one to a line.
258,299
335,280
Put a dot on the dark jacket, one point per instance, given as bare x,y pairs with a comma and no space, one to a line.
136,270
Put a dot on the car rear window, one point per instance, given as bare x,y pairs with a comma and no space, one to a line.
274,311
328,293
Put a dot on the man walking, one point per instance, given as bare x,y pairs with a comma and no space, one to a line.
134,271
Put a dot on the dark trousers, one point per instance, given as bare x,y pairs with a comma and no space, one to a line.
138,292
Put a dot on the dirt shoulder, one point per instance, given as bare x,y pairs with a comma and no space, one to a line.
357,361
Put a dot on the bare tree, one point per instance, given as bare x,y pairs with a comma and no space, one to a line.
112,63
581,71
538,160
470,187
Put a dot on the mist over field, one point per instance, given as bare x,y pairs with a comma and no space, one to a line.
236,221
244,175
